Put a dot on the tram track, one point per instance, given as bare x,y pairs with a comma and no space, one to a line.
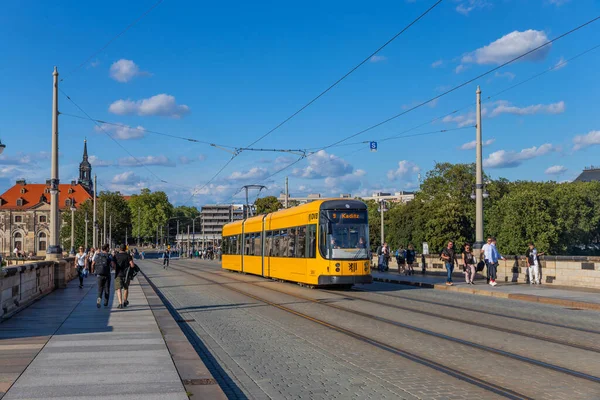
453,372
574,328
478,346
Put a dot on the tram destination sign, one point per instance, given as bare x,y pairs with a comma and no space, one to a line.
348,217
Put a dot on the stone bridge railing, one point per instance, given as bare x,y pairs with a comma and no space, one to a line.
577,271
21,285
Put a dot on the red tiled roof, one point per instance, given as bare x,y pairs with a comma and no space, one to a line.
34,191
126,198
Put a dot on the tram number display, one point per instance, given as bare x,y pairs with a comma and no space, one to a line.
353,267
348,217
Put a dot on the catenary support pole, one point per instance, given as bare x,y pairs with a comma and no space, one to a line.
287,192
54,250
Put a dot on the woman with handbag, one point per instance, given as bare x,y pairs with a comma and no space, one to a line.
469,264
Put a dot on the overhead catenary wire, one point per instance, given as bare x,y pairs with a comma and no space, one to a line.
119,144
305,106
442,94
347,74
128,27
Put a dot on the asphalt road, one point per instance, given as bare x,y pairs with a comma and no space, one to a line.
273,340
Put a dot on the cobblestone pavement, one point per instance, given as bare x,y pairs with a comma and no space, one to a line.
256,350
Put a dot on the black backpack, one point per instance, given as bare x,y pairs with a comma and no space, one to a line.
131,272
102,266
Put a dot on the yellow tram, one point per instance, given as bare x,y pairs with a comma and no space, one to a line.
325,242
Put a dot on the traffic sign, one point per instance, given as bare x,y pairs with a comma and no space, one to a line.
373,146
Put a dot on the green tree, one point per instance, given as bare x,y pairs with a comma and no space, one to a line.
84,211
267,205
154,211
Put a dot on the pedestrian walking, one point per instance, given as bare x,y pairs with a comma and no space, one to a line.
486,254
411,256
494,262
533,264
401,259
102,265
166,257
81,264
123,261
469,264
449,259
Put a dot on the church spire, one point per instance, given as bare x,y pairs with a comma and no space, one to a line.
85,170
85,155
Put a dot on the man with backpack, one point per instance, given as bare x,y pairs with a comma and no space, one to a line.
101,266
166,256
123,262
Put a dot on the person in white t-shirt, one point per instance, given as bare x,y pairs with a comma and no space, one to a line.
80,263
533,265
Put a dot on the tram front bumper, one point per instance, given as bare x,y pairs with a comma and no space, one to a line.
344,280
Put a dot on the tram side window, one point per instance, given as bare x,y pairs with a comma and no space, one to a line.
311,241
257,243
237,244
284,240
247,244
292,245
268,240
225,245
301,242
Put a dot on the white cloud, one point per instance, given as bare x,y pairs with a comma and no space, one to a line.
510,46
473,144
556,170
98,163
466,6
94,63
147,161
376,59
125,70
189,160
405,170
460,68
123,132
508,75
510,159
255,173
504,107
583,141
554,108
126,178
437,63
560,64
344,184
323,165
163,105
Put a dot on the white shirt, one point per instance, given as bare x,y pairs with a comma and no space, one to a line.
16,251
80,259
487,252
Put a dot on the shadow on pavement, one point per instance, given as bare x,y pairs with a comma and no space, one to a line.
223,379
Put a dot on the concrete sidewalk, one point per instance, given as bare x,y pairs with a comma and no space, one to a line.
582,298
64,347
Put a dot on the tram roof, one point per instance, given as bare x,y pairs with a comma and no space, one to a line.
313,206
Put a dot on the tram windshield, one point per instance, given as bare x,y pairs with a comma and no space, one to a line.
344,235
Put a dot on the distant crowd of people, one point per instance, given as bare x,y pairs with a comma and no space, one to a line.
488,259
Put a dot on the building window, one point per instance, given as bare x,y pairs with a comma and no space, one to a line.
22,190
18,218
42,241
42,219
68,202
18,239
19,202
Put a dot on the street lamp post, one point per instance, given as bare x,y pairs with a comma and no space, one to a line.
382,209
478,178
73,230
54,250
86,230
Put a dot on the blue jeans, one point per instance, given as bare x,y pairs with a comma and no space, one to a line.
449,269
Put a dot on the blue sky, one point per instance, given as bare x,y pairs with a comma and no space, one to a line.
228,73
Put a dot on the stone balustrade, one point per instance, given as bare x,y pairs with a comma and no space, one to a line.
20,285
576,271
